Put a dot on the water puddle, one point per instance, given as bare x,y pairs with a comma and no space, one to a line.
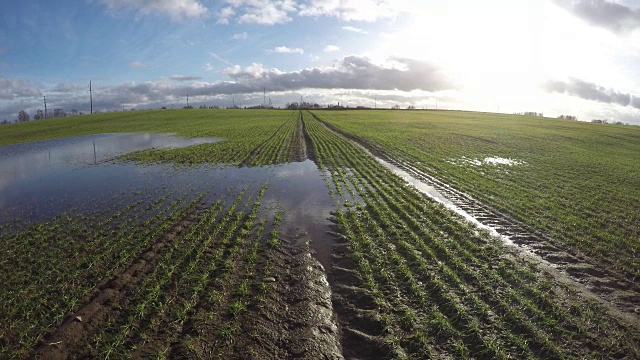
487,161
433,193
43,179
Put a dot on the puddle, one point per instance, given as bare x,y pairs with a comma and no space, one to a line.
487,161
40,180
433,193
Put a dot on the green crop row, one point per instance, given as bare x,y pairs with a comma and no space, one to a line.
441,286
576,182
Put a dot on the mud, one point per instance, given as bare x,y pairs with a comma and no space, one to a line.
297,320
71,337
358,316
299,143
591,277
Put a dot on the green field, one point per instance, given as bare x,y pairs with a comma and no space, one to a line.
212,269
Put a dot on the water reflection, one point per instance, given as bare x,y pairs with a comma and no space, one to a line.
40,180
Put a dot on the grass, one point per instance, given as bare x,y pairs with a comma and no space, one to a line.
439,287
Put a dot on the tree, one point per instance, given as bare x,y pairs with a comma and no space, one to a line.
4,122
39,115
23,116
59,112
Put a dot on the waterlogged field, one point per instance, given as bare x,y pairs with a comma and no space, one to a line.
289,239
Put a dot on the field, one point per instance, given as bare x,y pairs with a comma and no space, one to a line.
293,238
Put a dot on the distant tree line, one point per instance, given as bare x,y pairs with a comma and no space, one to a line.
303,105
529,113
568,117
24,116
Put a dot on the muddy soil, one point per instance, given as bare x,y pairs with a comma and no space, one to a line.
294,320
299,143
70,338
567,266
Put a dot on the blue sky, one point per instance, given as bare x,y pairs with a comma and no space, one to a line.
575,57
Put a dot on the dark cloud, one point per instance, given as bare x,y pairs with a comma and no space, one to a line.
603,13
185,78
591,91
352,72
65,87
11,89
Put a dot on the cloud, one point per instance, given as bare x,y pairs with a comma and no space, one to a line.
591,91
331,48
225,14
176,9
137,65
354,29
184,78
208,67
271,12
350,10
219,58
65,87
286,50
240,36
262,12
604,13
11,89
352,72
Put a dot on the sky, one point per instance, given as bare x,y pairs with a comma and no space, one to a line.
557,57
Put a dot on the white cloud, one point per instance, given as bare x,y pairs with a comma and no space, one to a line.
351,10
225,14
354,29
220,58
331,48
11,89
270,12
137,65
176,9
262,12
286,50
208,67
240,36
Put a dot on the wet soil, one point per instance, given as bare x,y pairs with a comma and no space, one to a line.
71,337
295,319
569,267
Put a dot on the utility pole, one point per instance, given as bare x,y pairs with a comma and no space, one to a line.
264,98
234,102
187,101
91,97
45,106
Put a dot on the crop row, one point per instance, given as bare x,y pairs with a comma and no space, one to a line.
441,286
572,181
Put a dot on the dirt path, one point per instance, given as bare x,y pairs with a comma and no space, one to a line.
568,267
